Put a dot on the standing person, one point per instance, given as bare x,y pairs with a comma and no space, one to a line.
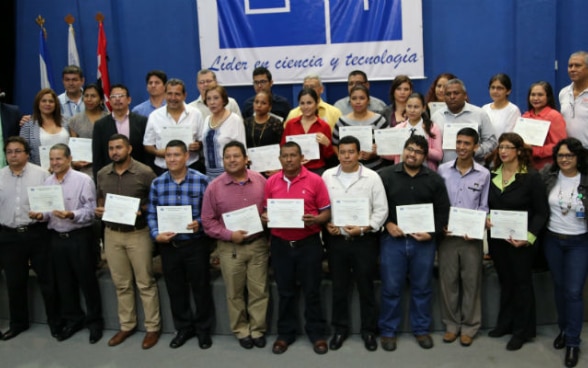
262,81
436,91
221,127
541,106
353,252
185,258
82,124
243,256
72,245
262,128
516,186
10,116
400,89
156,80
358,78
460,257
206,79
361,116
408,183
129,249
47,126
71,100
24,241
503,113
297,253
573,98
566,241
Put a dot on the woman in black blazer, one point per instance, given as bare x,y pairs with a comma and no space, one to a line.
516,186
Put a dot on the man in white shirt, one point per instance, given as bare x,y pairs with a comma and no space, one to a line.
204,80
573,99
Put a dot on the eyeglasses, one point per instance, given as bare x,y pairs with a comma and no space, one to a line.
415,151
260,82
117,97
567,156
207,81
506,147
16,151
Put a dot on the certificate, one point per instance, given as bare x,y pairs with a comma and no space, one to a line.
264,158
246,219
46,198
174,219
183,133
436,106
121,209
81,149
532,131
463,221
450,133
508,225
351,211
308,145
44,156
416,218
391,141
362,133
285,213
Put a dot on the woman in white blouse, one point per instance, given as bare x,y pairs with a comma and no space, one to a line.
503,113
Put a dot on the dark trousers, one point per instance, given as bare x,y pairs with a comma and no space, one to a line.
186,267
354,259
301,265
74,259
16,251
517,297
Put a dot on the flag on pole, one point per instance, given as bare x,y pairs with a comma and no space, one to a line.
72,51
102,74
44,61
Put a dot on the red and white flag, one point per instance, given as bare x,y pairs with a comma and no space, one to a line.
102,74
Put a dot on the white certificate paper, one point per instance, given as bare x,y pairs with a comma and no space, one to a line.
391,141
264,158
174,219
362,133
351,211
81,149
532,131
44,156
450,133
308,144
285,213
508,225
46,198
183,133
121,209
463,221
416,218
435,106
246,219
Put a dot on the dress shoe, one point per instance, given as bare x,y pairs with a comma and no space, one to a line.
449,337
151,338
388,343
95,335
560,341
370,342
260,341
320,347
280,347
68,331
515,343
337,341
181,337
465,340
246,342
572,355
55,329
204,340
120,337
425,341
12,333
498,332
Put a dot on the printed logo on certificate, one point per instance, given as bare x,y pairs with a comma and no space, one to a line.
174,219
121,209
351,211
285,213
46,198
416,218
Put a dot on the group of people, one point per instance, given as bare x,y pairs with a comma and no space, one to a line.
169,153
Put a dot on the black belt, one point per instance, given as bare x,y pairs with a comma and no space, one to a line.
351,238
23,228
311,239
124,228
68,234
183,243
566,236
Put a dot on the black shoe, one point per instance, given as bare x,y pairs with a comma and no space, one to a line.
95,335
572,355
515,343
55,329
498,332
181,337
260,341
370,342
246,342
204,340
560,341
12,333
388,343
337,341
425,341
69,331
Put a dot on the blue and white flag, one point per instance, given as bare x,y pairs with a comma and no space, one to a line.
72,51
45,63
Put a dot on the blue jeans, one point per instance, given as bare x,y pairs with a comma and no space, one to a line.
568,261
401,257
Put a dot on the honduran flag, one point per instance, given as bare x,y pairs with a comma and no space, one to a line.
44,62
102,74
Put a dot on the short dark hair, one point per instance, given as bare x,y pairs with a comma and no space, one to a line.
117,136
237,144
72,69
20,140
62,147
262,70
358,72
176,82
121,86
469,132
420,141
349,139
177,143
576,147
291,144
156,73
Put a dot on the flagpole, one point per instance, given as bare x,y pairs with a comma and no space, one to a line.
102,72
46,71
73,58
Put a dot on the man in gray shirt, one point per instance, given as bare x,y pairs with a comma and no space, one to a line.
358,77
